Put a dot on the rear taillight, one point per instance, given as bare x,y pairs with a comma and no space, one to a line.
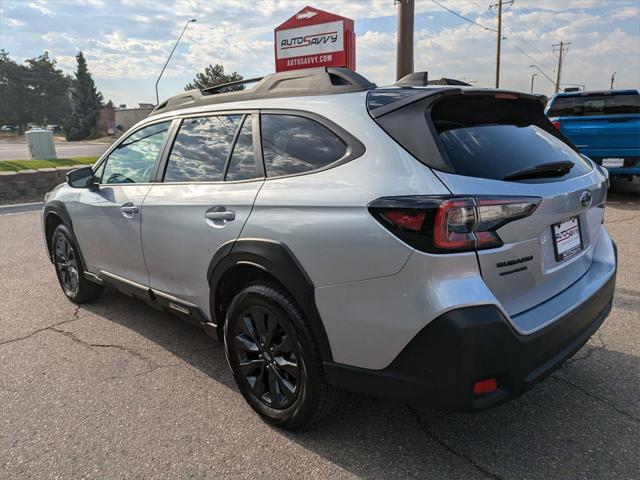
556,124
444,224
409,219
484,387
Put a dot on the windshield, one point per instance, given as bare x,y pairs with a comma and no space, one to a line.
587,105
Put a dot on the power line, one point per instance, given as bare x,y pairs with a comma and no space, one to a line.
489,30
528,56
464,18
533,17
500,5
542,72
519,35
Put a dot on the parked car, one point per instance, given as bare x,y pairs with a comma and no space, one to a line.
443,246
8,128
604,125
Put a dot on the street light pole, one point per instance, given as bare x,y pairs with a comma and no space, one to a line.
542,72
533,76
170,55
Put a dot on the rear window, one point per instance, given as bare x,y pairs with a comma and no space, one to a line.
582,106
292,144
493,138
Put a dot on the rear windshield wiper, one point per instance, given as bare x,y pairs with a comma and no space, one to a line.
551,169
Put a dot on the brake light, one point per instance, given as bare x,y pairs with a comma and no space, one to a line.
441,224
506,96
483,387
556,124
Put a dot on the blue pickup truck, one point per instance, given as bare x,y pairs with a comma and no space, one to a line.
604,125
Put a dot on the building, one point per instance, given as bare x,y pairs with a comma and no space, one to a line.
107,120
128,117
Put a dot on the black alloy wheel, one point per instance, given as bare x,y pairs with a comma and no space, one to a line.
275,358
67,265
267,357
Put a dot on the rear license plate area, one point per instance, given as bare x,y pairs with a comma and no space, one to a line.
567,238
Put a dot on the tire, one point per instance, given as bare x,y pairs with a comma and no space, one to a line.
69,268
274,358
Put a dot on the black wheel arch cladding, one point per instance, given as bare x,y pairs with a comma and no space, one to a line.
277,260
58,209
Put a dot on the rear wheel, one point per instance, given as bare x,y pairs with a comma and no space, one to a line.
69,268
274,358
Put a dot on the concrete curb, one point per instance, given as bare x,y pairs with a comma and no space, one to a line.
31,185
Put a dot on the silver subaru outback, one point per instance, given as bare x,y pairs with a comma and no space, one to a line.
440,245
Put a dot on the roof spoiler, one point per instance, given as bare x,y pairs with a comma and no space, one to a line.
421,79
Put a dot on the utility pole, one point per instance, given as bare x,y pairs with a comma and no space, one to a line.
499,5
404,53
613,76
533,76
563,47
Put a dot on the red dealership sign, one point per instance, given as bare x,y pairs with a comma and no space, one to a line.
314,38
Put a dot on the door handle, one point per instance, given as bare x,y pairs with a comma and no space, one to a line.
227,215
129,209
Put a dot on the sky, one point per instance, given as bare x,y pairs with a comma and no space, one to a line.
127,42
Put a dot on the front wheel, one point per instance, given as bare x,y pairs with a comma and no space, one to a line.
274,358
69,268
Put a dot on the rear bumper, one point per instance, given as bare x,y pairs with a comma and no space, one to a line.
440,365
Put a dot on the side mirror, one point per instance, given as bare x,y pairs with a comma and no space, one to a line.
82,178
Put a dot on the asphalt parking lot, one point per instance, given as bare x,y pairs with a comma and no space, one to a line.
115,389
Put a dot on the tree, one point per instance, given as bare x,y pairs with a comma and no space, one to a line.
214,75
86,103
47,98
13,92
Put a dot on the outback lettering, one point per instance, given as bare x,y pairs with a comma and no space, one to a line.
179,308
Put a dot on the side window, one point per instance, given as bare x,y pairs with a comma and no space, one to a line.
133,160
201,148
243,164
293,144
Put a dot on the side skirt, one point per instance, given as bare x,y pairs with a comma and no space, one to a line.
160,300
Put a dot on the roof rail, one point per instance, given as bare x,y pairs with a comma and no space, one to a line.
228,86
311,81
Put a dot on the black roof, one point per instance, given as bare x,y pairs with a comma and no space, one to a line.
312,81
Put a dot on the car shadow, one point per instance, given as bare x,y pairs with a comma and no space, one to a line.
579,423
624,190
